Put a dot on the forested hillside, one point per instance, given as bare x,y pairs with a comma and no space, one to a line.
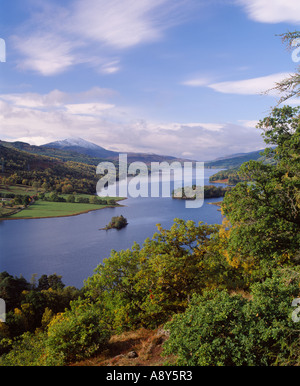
63,155
235,161
21,167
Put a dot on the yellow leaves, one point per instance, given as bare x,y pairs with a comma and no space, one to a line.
48,315
4,330
233,261
248,265
159,227
225,229
58,318
285,257
27,308
17,312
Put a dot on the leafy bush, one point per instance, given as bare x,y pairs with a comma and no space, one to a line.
83,200
27,350
144,286
206,333
77,333
221,329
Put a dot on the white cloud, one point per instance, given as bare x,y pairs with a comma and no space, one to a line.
250,124
92,32
253,86
250,86
116,23
88,108
196,82
272,11
58,99
47,54
110,67
206,126
24,117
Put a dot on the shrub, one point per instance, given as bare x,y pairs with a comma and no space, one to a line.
206,333
220,329
77,333
27,350
83,200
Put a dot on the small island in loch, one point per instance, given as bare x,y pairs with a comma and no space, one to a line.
189,193
117,222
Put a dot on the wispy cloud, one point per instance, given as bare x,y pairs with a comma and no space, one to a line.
45,53
252,86
88,108
197,82
119,24
57,99
93,32
275,11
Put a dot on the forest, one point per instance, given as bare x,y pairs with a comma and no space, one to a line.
20,167
191,192
224,293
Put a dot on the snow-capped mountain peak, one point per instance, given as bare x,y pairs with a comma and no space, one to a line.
70,142
82,146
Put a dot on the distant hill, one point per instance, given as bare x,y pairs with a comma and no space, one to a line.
66,165
90,149
63,155
22,167
81,146
80,150
232,165
235,160
236,155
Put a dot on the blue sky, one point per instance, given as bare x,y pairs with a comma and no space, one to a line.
176,77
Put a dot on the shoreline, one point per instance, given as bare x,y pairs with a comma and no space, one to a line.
65,215
225,181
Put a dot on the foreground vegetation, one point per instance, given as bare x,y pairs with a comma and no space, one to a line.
225,294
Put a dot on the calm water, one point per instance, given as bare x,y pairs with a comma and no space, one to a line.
74,246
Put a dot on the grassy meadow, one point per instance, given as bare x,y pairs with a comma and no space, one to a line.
55,209
44,209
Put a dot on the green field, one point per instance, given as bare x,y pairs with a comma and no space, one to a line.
42,209
54,209
18,189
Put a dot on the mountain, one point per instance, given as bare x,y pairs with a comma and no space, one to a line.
62,154
22,167
82,151
81,146
234,160
235,155
90,149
